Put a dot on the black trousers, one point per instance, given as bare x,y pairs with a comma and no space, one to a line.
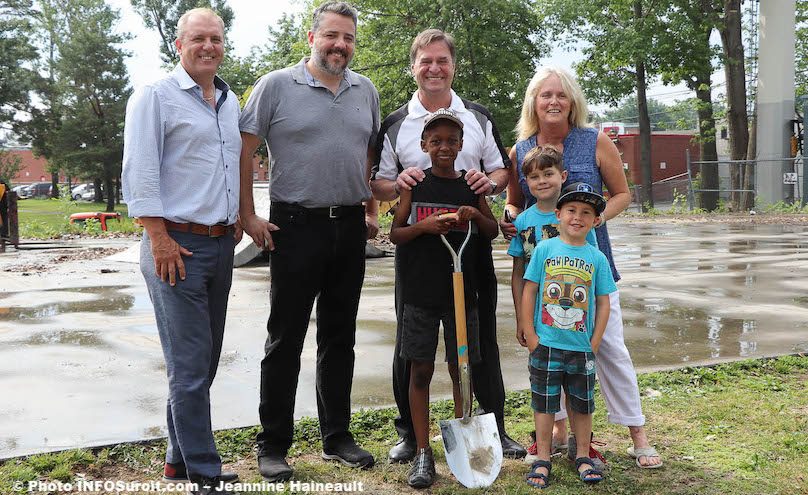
315,258
486,375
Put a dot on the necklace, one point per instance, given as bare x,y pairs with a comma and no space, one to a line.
208,98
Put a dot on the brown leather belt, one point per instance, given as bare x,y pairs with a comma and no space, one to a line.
217,230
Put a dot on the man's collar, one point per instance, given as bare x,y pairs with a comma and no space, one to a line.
186,82
301,74
416,110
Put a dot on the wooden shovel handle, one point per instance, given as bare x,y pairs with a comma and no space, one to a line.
460,319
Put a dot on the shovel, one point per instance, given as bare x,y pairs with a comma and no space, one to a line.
472,444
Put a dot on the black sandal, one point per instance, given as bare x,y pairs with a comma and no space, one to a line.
587,472
533,475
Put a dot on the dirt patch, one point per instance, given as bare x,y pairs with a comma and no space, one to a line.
727,218
47,260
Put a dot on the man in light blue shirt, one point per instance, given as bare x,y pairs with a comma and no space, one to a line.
181,179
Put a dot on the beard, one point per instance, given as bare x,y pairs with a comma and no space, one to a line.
321,60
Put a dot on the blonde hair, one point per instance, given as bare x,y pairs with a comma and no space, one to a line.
540,158
528,124
181,24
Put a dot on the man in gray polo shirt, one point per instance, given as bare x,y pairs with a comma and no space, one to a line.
320,121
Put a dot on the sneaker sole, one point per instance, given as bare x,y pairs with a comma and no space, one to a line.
277,478
366,464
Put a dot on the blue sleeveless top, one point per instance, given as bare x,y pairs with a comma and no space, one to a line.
579,159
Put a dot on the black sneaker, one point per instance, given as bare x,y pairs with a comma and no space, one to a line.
209,486
274,468
350,454
422,473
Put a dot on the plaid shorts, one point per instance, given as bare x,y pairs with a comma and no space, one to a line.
550,369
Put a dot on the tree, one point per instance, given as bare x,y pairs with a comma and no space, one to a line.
621,40
690,61
729,26
680,116
10,165
17,53
163,16
801,52
497,45
94,88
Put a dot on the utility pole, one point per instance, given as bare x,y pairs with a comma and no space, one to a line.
775,98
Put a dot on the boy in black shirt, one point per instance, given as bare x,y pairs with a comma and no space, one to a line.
441,204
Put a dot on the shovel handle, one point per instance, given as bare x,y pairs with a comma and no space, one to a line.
461,335
460,319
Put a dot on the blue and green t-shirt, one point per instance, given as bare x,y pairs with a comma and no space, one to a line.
569,278
534,226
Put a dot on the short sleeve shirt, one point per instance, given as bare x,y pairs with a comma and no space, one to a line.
569,279
318,140
534,226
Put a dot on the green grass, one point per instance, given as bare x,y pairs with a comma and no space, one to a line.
737,428
49,218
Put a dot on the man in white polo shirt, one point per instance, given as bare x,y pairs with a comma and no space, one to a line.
399,164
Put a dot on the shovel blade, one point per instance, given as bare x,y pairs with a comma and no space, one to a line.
473,449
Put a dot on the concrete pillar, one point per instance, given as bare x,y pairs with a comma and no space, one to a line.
775,97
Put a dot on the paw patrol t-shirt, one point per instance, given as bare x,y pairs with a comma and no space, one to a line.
569,278
534,226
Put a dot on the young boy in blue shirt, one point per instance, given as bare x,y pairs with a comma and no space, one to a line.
544,172
440,204
563,314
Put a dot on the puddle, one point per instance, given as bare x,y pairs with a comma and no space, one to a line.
87,368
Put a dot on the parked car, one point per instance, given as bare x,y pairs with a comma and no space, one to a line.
40,190
22,191
79,191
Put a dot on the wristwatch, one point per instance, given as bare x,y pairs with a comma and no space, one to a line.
493,186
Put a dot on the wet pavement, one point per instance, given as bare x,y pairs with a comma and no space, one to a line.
81,364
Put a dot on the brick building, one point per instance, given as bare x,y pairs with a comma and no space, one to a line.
668,158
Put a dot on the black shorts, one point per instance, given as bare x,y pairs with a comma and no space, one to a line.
419,334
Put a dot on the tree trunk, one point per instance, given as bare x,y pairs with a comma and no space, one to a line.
99,197
54,184
748,180
109,187
646,194
707,146
737,119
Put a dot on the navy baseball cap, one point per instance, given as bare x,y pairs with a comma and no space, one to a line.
581,191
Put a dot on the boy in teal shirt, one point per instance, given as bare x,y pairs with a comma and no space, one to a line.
544,172
563,313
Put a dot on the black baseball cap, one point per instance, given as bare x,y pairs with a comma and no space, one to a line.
581,191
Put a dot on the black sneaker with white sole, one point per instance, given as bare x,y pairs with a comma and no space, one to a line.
350,454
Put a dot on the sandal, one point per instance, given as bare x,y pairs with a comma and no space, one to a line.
572,451
644,452
588,472
533,475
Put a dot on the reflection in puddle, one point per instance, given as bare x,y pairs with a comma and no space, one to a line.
111,302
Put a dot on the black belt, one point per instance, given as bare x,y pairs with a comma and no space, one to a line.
338,211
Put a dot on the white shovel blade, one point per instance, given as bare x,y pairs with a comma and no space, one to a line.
473,449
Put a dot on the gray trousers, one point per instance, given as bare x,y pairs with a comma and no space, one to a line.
190,320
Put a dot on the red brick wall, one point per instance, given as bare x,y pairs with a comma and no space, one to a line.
34,169
667,148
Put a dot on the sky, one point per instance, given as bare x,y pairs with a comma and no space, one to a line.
252,18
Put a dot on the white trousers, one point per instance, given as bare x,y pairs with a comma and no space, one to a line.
618,380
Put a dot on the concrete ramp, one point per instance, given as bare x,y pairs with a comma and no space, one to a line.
246,250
